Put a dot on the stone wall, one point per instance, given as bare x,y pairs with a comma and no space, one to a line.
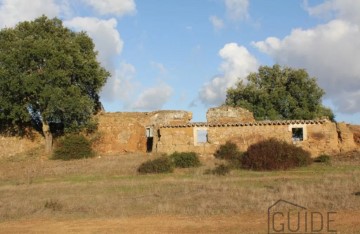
172,131
11,146
355,129
228,114
121,133
182,139
347,137
126,131
320,137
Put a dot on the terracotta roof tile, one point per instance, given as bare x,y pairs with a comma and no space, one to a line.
257,123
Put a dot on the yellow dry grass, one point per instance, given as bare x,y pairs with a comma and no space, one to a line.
107,195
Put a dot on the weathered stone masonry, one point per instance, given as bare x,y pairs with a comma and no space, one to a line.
172,131
318,136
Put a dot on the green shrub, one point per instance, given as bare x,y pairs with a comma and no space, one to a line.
73,147
275,155
322,159
221,169
230,152
158,165
185,159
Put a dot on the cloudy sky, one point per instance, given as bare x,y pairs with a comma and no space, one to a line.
184,54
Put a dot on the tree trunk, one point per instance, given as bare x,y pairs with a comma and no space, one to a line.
48,138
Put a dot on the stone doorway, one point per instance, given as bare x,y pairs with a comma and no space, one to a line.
149,139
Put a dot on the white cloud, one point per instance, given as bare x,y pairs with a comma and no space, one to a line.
14,11
348,10
104,34
238,63
121,85
115,7
153,98
330,52
237,9
216,22
109,44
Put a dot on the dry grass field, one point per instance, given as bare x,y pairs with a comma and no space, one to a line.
106,195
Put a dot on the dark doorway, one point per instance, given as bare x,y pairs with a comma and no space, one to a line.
149,144
149,139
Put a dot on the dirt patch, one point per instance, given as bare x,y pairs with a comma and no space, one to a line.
246,223
345,222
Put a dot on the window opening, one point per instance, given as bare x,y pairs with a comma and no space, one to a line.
202,136
297,134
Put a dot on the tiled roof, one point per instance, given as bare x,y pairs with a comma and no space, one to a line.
257,123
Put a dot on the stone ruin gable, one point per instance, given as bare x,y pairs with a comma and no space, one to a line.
228,114
319,136
168,117
124,132
121,133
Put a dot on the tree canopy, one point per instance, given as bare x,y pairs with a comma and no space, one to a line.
275,93
48,75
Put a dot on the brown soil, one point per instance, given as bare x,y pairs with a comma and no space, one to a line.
348,222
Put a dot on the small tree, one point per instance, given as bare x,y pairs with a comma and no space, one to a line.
49,76
279,93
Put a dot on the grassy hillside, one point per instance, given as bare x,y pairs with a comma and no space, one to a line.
109,189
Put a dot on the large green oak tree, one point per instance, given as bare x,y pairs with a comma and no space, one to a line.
276,93
48,75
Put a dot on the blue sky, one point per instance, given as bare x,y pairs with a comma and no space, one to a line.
184,54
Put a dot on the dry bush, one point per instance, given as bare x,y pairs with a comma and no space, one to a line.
273,154
324,158
220,170
53,205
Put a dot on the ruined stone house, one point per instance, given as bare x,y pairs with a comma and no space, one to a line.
170,131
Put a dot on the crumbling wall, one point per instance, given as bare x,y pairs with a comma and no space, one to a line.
121,133
319,137
11,145
228,114
166,117
124,132
181,139
244,136
346,137
322,139
172,131
355,129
